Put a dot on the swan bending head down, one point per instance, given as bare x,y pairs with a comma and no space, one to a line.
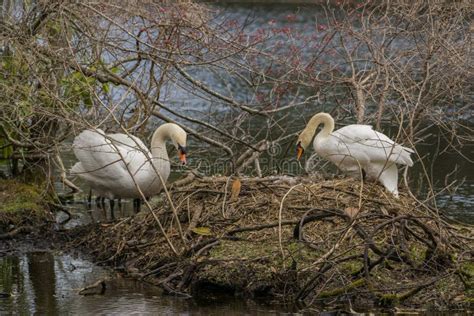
176,134
121,166
306,136
357,150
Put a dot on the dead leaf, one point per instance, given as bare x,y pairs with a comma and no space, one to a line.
351,211
236,186
203,231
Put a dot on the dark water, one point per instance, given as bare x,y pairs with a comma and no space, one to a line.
43,283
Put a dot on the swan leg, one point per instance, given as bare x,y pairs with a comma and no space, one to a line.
100,204
137,203
89,199
97,201
112,205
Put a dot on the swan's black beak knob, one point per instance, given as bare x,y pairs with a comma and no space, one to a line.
182,154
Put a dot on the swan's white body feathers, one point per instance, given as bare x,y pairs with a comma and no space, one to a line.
356,147
115,164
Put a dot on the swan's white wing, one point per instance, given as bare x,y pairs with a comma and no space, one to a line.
363,143
138,160
130,141
96,155
107,157
136,155
108,163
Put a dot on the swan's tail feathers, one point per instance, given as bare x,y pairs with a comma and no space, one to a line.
77,169
401,155
411,151
405,156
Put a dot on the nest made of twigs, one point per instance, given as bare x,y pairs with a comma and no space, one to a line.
299,238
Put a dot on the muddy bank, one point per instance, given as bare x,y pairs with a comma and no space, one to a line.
313,242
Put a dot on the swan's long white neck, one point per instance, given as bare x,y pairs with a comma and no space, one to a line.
158,141
308,133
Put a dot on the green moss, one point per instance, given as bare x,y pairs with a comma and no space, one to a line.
466,273
241,250
342,290
389,300
250,266
468,269
16,197
352,266
417,253
21,204
301,253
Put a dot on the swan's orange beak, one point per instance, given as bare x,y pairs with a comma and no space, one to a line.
182,154
299,151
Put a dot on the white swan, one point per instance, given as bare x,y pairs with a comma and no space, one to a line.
113,165
356,149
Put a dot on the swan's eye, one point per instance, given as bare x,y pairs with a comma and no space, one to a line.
299,151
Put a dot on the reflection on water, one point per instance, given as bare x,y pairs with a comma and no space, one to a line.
459,206
42,283
83,214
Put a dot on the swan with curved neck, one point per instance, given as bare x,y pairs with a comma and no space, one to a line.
307,134
356,149
116,165
169,131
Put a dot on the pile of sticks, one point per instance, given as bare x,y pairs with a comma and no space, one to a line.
300,239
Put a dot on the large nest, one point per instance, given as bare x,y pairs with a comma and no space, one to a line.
295,238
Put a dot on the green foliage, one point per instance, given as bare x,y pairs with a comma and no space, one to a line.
40,94
106,87
78,89
18,94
